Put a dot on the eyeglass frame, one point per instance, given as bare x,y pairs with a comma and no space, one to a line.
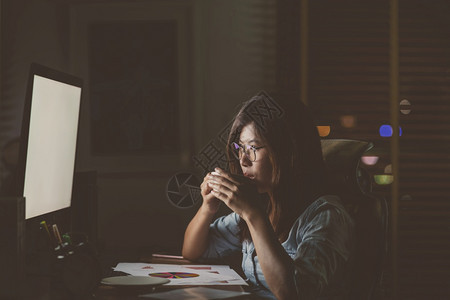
244,151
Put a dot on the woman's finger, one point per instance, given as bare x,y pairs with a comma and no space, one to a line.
225,192
218,187
204,187
216,194
219,195
226,197
217,181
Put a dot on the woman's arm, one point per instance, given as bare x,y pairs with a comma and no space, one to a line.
277,266
196,235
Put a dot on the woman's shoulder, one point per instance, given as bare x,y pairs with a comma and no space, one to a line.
325,214
326,202
324,207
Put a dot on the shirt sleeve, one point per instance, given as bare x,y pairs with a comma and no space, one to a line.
223,239
325,243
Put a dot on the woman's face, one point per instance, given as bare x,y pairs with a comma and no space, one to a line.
260,170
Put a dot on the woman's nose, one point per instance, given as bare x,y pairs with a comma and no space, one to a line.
245,161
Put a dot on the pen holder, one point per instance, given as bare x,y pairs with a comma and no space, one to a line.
77,265
66,270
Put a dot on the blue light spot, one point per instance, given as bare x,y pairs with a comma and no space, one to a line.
386,131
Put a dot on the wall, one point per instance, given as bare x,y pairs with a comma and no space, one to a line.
227,55
32,31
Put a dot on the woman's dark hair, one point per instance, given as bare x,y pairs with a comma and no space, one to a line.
294,149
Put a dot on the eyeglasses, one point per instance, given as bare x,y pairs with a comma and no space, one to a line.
248,150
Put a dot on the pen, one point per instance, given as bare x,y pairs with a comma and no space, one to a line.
56,233
44,225
167,256
46,233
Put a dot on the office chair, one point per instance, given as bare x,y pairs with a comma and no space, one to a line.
370,212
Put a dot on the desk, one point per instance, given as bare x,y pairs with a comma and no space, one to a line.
114,293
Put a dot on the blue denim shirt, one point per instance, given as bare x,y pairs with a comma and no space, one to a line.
320,244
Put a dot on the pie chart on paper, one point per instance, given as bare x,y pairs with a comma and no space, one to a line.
173,275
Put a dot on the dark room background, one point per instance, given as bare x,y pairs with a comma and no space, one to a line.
163,78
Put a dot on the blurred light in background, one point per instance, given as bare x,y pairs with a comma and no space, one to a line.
324,130
388,169
405,107
383,179
386,131
348,121
369,160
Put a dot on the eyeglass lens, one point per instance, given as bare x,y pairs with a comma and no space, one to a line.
239,150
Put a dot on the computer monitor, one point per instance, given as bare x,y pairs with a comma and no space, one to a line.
48,141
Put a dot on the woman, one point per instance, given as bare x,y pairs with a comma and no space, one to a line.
296,240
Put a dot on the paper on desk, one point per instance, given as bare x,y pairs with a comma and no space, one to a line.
207,274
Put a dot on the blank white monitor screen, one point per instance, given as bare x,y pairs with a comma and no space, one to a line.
51,149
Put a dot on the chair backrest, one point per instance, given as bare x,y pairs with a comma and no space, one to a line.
354,185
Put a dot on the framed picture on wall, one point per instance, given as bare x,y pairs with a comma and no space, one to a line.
133,87
135,60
